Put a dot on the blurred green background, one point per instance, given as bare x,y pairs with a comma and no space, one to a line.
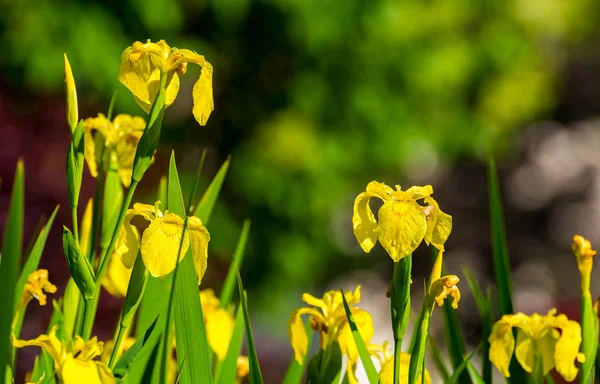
313,99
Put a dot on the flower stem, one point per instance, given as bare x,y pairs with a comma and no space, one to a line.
89,312
400,307
75,224
117,346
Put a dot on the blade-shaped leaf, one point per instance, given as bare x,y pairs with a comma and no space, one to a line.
192,352
476,377
227,368
499,247
295,370
486,320
326,365
454,339
438,360
209,198
238,256
255,376
461,367
147,340
12,244
372,374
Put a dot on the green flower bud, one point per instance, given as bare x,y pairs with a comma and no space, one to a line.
79,266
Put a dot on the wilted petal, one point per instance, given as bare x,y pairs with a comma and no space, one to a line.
502,345
402,226
199,238
49,343
161,242
439,225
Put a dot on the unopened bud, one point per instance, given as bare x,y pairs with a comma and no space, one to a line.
79,266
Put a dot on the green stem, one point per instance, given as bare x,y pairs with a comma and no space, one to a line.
166,336
116,347
397,359
112,105
75,224
81,324
89,312
91,252
400,307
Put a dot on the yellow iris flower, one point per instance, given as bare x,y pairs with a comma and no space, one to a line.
160,242
116,141
403,224
73,361
37,283
142,65
331,323
538,337
386,360
219,323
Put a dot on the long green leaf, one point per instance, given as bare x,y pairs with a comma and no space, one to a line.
459,370
438,360
33,260
502,273
238,256
147,340
476,377
499,247
227,368
295,370
454,339
192,352
372,374
12,245
483,307
255,374
209,199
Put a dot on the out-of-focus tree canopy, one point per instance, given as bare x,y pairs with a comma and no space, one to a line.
314,99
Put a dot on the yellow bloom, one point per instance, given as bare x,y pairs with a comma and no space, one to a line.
70,96
538,336
403,223
73,361
582,248
116,278
386,359
160,242
331,323
444,287
143,64
242,369
219,323
115,141
37,283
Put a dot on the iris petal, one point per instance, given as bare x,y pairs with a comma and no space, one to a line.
199,238
160,244
402,226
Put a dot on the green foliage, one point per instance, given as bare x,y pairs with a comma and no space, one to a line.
325,365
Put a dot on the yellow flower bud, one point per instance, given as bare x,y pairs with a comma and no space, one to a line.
582,248
71,97
444,287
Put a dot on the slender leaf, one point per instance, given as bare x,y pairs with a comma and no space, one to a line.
372,374
147,340
227,368
255,374
189,320
486,320
326,365
459,370
295,370
499,246
238,256
191,207
209,199
454,339
31,265
438,360
476,377
12,243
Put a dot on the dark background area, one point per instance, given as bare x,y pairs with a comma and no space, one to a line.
314,99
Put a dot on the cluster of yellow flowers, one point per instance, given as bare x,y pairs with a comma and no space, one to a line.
407,218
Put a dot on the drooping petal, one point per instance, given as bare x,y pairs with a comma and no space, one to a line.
202,95
116,279
502,345
135,71
439,225
199,238
92,126
37,283
364,322
160,244
219,329
50,343
567,347
524,351
402,226
297,332
128,244
364,223
172,89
